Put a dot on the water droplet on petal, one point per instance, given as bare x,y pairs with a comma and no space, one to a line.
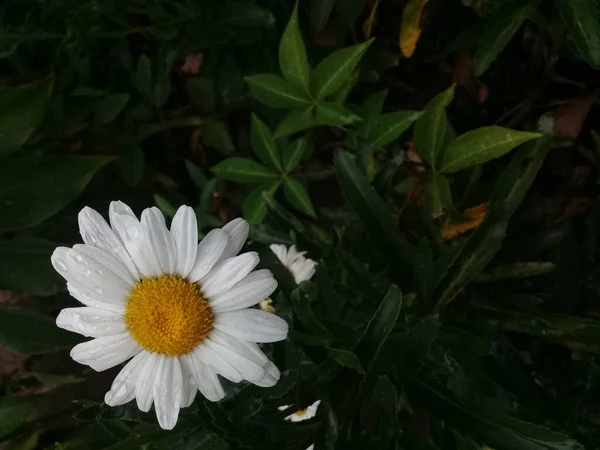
60,264
87,272
78,258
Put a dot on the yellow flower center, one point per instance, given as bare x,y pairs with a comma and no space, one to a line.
168,315
301,412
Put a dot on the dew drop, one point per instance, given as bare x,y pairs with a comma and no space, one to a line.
98,290
78,258
80,326
60,264
121,391
87,272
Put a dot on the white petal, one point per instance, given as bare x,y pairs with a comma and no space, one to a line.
252,325
303,269
280,251
311,447
237,231
209,251
255,287
221,366
93,278
228,273
105,352
271,377
59,261
105,261
185,232
158,243
206,378
123,387
96,232
238,356
93,302
127,226
167,391
91,322
189,384
145,381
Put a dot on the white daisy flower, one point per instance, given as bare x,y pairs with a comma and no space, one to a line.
301,268
303,414
179,309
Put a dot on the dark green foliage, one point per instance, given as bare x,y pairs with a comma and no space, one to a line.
426,326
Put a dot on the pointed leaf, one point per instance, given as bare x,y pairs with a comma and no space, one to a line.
333,115
276,92
292,54
243,170
379,327
411,26
296,120
254,207
296,194
216,135
294,153
320,12
499,30
375,212
485,241
335,69
438,196
263,144
583,24
389,127
370,110
431,129
345,358
481,145
22,109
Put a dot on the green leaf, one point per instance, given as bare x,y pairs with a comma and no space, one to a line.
276,92
515,270
14,412
50,379
296,120
216,135
32,190
143,77
379,327
375,213
263,144
438,196
31,333
370,110
491,427
165,206
294,153
25,266
481,145
583,24
243,170
292,54
109,108
345,358
485,241
333,114
196,174
431,129
22,109
414,348
255,207
335,69
320,11
388,127
296,194
499,30
577,333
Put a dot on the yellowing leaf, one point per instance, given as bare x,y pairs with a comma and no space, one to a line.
368,23
410,27
474,216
